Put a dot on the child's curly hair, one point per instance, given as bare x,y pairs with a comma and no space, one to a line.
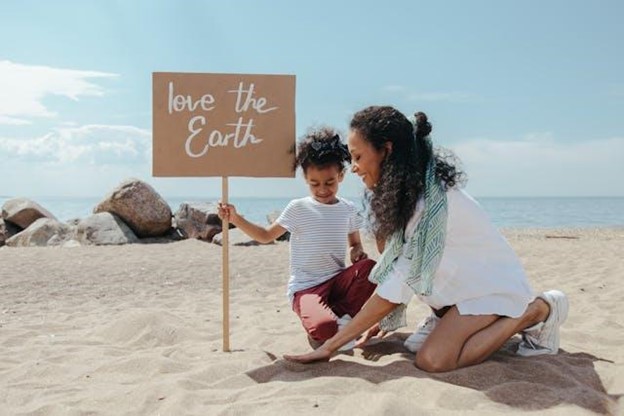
322,147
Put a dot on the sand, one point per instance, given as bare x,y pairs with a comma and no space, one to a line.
137,330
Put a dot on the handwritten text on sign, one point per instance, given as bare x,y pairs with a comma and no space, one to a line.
246,119
244,99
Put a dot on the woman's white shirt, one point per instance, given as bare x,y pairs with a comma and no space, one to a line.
479,272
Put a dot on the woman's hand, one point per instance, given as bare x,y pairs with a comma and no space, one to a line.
373,331
319,354
371,313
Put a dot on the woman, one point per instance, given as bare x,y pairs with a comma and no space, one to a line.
438,244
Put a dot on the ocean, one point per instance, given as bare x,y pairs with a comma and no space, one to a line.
516,212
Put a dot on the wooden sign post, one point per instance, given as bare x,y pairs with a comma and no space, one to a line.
223,125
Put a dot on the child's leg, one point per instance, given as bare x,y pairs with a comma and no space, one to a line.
316,316
352,288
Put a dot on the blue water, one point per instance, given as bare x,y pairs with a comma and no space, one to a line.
585,212
522,212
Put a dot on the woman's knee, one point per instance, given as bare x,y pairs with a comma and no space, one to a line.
427,360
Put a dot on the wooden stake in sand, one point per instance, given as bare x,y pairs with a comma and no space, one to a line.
223,125
225,250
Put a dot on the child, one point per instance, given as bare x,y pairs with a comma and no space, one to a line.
322,291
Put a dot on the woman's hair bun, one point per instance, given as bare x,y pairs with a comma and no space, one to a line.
422,125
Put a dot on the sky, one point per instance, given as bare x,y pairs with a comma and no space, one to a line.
529,95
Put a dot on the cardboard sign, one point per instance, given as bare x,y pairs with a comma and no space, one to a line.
223,124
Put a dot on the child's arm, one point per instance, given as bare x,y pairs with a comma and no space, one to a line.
258,233
357,251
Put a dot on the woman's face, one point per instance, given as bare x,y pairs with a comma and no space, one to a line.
365,159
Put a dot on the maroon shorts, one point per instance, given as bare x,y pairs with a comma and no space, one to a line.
319,307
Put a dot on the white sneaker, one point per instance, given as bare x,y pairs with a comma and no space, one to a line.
543,338
415,341
342,321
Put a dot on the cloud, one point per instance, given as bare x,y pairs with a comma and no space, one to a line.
540,165
25,86
13,121
83,145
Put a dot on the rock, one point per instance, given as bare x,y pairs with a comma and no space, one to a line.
43,232
140,207
4,234
104,229
71,244
198,220
271,218
237,238
23,212
73,222
7,230
172,236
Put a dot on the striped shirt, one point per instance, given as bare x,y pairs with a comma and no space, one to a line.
318,239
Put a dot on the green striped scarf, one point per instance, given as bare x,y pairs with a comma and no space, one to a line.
424,249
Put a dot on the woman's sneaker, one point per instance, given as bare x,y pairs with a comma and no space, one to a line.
543,338
424,328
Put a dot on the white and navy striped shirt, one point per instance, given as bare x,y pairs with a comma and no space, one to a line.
318,239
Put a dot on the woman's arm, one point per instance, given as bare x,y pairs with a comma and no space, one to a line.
372,312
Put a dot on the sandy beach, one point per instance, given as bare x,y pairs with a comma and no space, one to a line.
136,330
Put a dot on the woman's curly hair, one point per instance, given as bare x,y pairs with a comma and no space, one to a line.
322,147
402,182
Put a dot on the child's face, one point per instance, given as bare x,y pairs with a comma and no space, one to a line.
324,182
365,159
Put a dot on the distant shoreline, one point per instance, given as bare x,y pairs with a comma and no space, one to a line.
505,212
478,197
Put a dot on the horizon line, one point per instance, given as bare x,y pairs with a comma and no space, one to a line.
301,196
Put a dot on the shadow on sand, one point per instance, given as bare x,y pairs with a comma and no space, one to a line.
524,383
